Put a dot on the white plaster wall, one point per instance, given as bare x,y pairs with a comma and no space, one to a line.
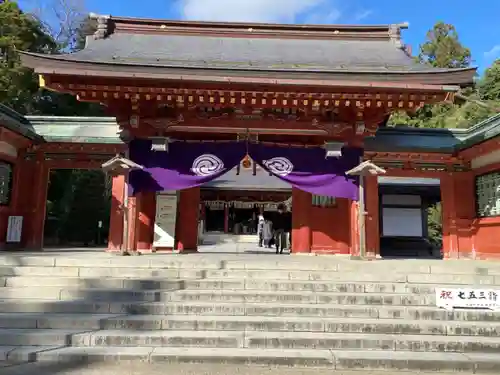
8,149
481,161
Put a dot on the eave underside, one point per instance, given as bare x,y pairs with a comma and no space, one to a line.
447,80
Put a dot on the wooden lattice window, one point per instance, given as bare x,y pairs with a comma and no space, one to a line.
5,183
488,194
322,201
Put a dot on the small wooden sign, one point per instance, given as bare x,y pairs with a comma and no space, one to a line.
14,229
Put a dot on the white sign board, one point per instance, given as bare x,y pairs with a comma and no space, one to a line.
14,229
450,298
402,222
165,220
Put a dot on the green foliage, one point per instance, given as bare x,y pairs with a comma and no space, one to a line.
19,31
76,201
442,48
489,87
435,226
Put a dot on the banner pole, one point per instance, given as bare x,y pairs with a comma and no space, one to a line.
125,250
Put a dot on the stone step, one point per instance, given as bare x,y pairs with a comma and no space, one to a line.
366,276
253,296
22,354
242,262
203,284
92,294
78,322
89,316
88,283
288,340
15,314
365,360
235,296
306,358
312,310
301,324
99,271
37,337
310,286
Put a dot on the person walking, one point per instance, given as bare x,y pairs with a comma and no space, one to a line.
267,232
280,226
260,228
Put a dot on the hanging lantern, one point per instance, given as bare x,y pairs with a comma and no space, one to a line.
247,162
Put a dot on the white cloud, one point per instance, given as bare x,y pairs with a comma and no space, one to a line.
362,15
280,11
318,18
493,53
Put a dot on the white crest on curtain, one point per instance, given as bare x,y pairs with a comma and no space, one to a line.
207,165
279,166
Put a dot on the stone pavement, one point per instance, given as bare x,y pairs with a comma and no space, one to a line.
135,368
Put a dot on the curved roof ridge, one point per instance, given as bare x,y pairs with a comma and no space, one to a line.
108,24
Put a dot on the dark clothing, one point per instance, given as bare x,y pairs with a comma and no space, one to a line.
280,238
280,221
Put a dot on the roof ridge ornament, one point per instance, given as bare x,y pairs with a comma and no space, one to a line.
102,25
395,33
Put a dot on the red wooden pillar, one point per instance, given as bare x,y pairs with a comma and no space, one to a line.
301,228
448,211
458,212
354,228
187,220
372,216
20,181
36,217
146,210
115,237
226,219
23,199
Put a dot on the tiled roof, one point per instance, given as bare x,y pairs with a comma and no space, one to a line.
237,49
17,123
247,181
247,53
76,129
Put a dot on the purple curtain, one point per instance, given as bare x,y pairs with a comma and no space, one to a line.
184,165
308,169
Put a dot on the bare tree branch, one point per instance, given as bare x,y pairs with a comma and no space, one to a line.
60,18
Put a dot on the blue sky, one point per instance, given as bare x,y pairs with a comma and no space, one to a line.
477,22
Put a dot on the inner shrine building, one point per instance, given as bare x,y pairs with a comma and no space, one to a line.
198,107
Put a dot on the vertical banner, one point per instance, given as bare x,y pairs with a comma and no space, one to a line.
165,220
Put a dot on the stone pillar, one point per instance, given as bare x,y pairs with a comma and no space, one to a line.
458,212
301,229
372,216
354,228
133,218
115,236
146,211
187,220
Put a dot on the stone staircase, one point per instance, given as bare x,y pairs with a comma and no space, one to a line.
323,312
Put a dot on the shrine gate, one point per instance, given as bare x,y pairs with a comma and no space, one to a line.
318,97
